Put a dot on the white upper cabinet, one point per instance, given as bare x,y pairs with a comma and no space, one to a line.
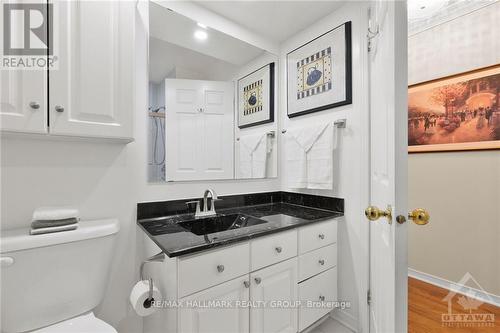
91,93
23,102
199,129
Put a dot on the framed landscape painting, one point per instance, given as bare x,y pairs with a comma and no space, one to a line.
256,97
319,73
459,112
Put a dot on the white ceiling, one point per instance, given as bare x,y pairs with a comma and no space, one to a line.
177,29
276,20
424,14
165,57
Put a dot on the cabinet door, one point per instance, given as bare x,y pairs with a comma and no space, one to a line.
231,319
91,94
199,129
23,102
276,283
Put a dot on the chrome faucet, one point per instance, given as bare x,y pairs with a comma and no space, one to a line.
204,211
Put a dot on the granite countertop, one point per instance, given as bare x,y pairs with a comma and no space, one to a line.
174,240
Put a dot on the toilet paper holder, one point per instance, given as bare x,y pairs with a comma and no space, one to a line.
156,258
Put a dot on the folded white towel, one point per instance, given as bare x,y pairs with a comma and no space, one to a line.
53,229
309,156
253,155
55,213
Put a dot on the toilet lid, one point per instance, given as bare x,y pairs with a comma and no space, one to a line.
87,323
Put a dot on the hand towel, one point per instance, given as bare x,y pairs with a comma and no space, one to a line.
52,223
55,213
53,229
253,155
309,156
320,160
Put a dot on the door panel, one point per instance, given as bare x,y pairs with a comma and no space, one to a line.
217,320
275,283
388,142
199,129
94,82
20,88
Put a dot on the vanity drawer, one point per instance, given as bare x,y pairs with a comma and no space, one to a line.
317,261
200,271
317,235
271,249
313,290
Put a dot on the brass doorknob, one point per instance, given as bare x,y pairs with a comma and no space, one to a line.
419,216
374,213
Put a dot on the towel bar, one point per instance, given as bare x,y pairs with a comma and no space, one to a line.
270,133
340,123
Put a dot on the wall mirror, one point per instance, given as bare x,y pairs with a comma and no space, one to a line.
212,103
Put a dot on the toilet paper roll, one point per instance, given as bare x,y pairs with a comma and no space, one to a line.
139,298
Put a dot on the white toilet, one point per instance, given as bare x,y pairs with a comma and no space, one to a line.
50,283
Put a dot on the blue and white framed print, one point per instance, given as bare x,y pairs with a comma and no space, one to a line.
319,73
256,97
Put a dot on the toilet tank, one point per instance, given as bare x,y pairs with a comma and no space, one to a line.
53,277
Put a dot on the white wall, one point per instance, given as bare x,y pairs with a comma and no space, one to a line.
461,190
350,180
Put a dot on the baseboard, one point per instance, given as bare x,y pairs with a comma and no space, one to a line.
481,295
345,319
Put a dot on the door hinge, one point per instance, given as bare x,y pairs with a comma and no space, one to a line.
369,297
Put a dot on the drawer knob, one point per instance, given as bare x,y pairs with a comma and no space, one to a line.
321,262
220,268
34,105
59,108
278,249
322,298
321,236
258,280
246,284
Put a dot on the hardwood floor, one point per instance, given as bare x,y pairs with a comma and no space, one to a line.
426,306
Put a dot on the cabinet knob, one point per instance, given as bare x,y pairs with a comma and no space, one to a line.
34,105
59,108
278,249
258,280
321,262
246,284
322,298
321,236
220,268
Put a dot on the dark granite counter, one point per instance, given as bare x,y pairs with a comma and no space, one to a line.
281,212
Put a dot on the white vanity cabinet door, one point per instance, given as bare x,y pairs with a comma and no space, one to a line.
272,284
23,101
91,93
231,319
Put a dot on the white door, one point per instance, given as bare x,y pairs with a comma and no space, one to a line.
200,131
23,100
91,93
275,283
388,168
225,319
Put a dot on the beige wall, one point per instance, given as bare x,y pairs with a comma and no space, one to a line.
461,190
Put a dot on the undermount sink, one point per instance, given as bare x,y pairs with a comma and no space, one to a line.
210,225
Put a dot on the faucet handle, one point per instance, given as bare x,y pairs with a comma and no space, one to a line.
197,202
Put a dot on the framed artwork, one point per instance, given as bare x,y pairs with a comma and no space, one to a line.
319,73
256,97
459,112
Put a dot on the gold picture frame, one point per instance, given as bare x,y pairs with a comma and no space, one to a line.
455,113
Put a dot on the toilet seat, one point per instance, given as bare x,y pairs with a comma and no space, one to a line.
87,323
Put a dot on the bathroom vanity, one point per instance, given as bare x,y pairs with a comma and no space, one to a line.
266,263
